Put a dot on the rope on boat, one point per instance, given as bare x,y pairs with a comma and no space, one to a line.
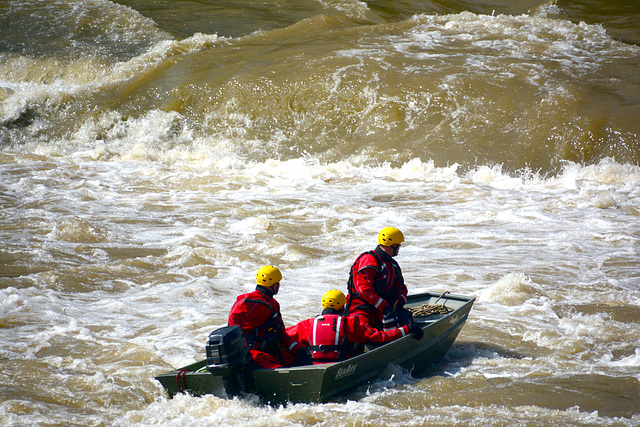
430,309
181,374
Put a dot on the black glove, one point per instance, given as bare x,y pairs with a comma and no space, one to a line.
405,317
388,309
302,358
417,331
390,321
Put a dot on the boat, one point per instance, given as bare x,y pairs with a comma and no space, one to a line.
325,382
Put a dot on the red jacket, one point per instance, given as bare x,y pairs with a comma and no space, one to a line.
352,330
258,313
375,282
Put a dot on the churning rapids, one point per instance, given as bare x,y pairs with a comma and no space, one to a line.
153,155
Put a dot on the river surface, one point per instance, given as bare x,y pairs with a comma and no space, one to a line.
154,154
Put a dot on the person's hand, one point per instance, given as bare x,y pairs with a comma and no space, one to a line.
388,309
302,358
405,317
417,331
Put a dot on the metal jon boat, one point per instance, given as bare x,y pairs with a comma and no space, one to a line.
321,383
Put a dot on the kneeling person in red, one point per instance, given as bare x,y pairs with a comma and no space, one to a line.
330,336
258,314
376,286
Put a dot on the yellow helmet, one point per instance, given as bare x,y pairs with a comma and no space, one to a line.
268,276
390,236
333,299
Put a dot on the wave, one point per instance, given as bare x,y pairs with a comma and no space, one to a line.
524,92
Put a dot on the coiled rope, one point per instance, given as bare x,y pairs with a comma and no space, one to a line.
430,309
182,388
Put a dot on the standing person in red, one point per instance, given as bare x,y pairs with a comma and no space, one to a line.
376,286
258,314
331,336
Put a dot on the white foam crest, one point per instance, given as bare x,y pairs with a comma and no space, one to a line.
607,171
549,10
352,8
25,95
597,328
495,177
156,128
521,35
143,138
512,289
87,75
305,168
208,410
632,361
13,300
159,53
517,415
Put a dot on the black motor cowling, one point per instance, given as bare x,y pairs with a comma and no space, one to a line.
227,355
226,348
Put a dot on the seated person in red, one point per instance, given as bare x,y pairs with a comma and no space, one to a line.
331,335
258,314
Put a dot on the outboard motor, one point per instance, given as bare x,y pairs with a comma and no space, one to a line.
227,355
